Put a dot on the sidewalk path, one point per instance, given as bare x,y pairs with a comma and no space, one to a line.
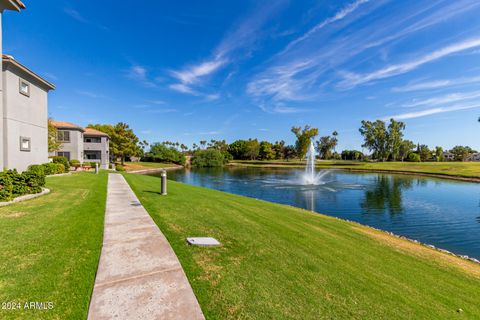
139,275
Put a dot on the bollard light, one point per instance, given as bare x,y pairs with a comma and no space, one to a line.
163,176
96,168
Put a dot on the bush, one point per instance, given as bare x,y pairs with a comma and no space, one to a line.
74,163
14,184
161,153
49,168
208,158
414,157
62,160
38,168
6,186
119,167
60,168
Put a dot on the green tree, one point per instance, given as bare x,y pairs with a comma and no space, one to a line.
376,139
238,149
326,145
279,149
439,154
161,152
290,152
304,138
123,141
424,152
266,151
53,143
208,158
405,149
461,153
252,150
383,142
395,138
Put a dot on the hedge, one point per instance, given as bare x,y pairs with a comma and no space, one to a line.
62,160
14,184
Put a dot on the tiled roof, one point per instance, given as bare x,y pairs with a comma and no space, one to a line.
66,125
93,132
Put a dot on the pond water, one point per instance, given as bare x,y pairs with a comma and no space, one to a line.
444,213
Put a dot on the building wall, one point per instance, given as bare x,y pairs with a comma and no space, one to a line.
103,147
23,117
75,146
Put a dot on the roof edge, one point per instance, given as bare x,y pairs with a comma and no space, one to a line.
10,59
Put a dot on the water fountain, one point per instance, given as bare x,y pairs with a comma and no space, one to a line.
310,177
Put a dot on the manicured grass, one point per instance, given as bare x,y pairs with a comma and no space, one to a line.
131,166
280,262
50,246
462,169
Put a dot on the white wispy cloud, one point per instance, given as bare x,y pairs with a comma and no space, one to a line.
432,111
282,82
339,15
435,84
80,18
139,74
242,37
445,99
353,79
90,94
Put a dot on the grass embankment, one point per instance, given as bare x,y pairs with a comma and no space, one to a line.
452,169
134,166
50,246
280,262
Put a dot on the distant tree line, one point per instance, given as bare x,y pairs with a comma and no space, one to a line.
384,141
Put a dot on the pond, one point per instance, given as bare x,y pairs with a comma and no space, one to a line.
444,213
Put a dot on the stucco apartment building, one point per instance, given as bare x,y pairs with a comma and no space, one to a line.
23,109
83,144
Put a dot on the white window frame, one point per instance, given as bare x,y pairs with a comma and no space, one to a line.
27,148
22,82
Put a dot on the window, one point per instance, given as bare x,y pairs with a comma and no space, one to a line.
93,155
25,144
24,88
63,136
64,154
92,139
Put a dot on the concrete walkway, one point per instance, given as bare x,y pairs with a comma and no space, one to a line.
139,275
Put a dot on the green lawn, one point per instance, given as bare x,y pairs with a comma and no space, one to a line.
50,246
280,262
461,169
131,166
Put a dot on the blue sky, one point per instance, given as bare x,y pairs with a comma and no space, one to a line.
196,70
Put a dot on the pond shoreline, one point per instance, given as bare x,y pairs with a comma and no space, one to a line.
414,173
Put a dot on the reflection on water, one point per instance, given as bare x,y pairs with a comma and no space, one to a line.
385,194
444,213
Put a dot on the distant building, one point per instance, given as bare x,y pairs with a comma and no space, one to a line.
23,109
83,144
448,156
474,157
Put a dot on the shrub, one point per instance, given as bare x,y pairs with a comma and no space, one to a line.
14,184
37,168
6,186
208,158
60,168
62,160
49,168
414,157
119,167
161,153
33,181
74,163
